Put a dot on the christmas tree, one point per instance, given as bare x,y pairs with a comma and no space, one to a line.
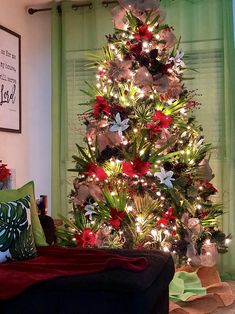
143,174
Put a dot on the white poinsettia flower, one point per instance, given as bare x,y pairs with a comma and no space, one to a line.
165,177
89,211
177,59
119,125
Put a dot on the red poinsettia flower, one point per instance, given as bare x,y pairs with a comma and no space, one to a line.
86,238
136,48
4,172
93,169
168,216
210,186
203,214
137,167
160,121
116,217
101,106
143,33
166,67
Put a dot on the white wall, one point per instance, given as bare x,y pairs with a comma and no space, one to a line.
29,152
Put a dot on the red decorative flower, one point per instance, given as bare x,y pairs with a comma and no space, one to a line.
168,216
203,214
160,121
166,67
137,167
210,186
86,238
136,48
116,217
93,169
4,172
101,106
143,33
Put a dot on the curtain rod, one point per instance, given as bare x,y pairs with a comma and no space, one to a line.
31,11
74,7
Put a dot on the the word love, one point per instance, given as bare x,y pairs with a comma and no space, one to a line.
7,96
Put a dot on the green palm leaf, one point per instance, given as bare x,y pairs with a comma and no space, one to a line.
13,221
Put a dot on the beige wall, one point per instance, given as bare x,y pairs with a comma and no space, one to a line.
29,152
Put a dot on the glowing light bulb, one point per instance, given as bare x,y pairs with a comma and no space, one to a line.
125,27
154,233
129,208
227,241
145,44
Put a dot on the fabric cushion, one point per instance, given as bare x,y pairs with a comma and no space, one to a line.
16,236
27,189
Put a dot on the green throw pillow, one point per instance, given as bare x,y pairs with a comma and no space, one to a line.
27,189
16,236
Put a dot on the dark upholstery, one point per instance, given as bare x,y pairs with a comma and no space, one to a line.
114,291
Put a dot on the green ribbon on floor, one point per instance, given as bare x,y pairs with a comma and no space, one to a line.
184,285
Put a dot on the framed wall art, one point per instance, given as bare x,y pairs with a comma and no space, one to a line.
10,81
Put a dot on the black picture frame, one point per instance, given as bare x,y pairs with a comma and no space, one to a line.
10,81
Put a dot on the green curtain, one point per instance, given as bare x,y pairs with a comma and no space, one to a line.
206,30
207,37
75,33
228,264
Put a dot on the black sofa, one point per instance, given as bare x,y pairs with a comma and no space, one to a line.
113,291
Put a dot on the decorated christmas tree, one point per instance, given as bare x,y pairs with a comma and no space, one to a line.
143,175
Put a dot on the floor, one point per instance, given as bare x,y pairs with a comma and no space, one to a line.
230,309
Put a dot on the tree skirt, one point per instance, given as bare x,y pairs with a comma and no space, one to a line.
218,294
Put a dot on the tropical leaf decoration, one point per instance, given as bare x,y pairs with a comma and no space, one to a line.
16,237
13,220
23,247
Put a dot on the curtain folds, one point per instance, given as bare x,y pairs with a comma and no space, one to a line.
207,38
228,174
206,30
75,34
59,112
